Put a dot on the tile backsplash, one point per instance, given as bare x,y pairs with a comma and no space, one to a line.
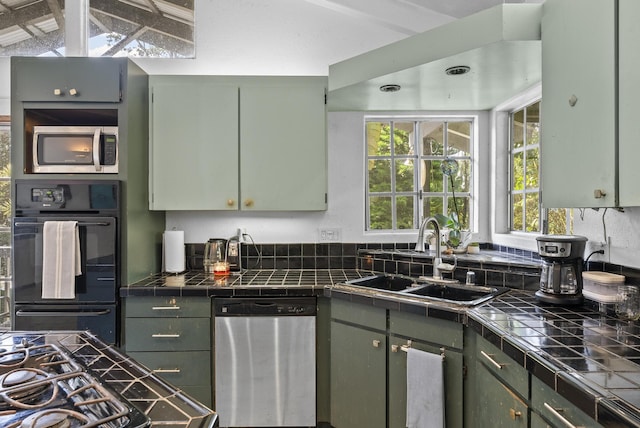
519,269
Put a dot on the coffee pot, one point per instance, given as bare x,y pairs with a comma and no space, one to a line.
561,274
215,257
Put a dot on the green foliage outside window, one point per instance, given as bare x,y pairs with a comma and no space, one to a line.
404,175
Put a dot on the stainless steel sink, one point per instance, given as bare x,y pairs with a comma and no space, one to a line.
455,293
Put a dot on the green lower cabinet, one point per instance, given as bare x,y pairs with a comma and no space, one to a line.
187,369
397,382
555,409
435,336
172,336
496,404
358,377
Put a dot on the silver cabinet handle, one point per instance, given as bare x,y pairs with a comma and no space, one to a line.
166,371
491,360
562,419
166,308
170,336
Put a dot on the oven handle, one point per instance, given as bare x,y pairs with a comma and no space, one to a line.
26,223
23,313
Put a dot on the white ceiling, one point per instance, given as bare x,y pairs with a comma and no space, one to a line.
289,37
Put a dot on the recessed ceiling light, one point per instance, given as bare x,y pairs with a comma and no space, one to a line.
390,88
458,69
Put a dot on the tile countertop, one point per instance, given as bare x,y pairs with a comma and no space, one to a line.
291,282
591,358
164,405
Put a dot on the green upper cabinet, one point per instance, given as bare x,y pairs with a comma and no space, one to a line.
229,143
589,80
283,148
71,80
629,93
193,144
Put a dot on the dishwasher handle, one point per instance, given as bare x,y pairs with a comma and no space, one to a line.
265,306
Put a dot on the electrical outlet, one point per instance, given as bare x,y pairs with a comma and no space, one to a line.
330,234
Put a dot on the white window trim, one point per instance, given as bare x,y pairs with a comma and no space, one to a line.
500,205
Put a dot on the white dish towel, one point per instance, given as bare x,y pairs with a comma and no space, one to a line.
425,389
60,259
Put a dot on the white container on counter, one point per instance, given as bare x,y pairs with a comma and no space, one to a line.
601,287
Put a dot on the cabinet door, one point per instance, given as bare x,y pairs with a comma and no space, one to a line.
496,404
73,78
556,409
629,63
193,145
397,387
358,377
578,127
283,147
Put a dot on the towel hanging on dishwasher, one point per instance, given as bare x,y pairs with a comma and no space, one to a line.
61,261
425,389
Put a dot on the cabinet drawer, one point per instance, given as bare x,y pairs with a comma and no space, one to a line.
178,368
557,410
373,318
445,333
503,366
41,77
168,334
167,307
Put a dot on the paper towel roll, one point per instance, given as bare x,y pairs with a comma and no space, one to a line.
173,251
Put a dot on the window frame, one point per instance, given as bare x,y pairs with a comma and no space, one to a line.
416,156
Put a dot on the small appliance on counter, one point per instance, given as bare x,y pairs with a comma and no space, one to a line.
561,276
222,256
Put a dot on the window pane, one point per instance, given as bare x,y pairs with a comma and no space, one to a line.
518,171
532,216
404,212
378,143
432,206
402,138
516,212
461,207
380,176
404,175
533,124
462,179
434,177
459,138
532,168
557,221
431,138
518,129
380,212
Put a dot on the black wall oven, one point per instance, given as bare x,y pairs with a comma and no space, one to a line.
94,205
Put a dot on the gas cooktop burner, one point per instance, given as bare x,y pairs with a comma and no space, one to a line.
41,386
54,419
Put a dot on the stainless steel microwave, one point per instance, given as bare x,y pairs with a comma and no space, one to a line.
75,149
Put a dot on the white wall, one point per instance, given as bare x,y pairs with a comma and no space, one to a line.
5,86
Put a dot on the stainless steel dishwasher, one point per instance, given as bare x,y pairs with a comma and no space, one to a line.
265,361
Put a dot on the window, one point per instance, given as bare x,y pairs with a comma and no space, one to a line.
149,28
417,168
527,214
5,221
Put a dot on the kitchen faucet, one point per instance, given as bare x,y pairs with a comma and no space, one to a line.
437,260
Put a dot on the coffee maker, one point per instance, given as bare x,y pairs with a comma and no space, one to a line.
561,276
